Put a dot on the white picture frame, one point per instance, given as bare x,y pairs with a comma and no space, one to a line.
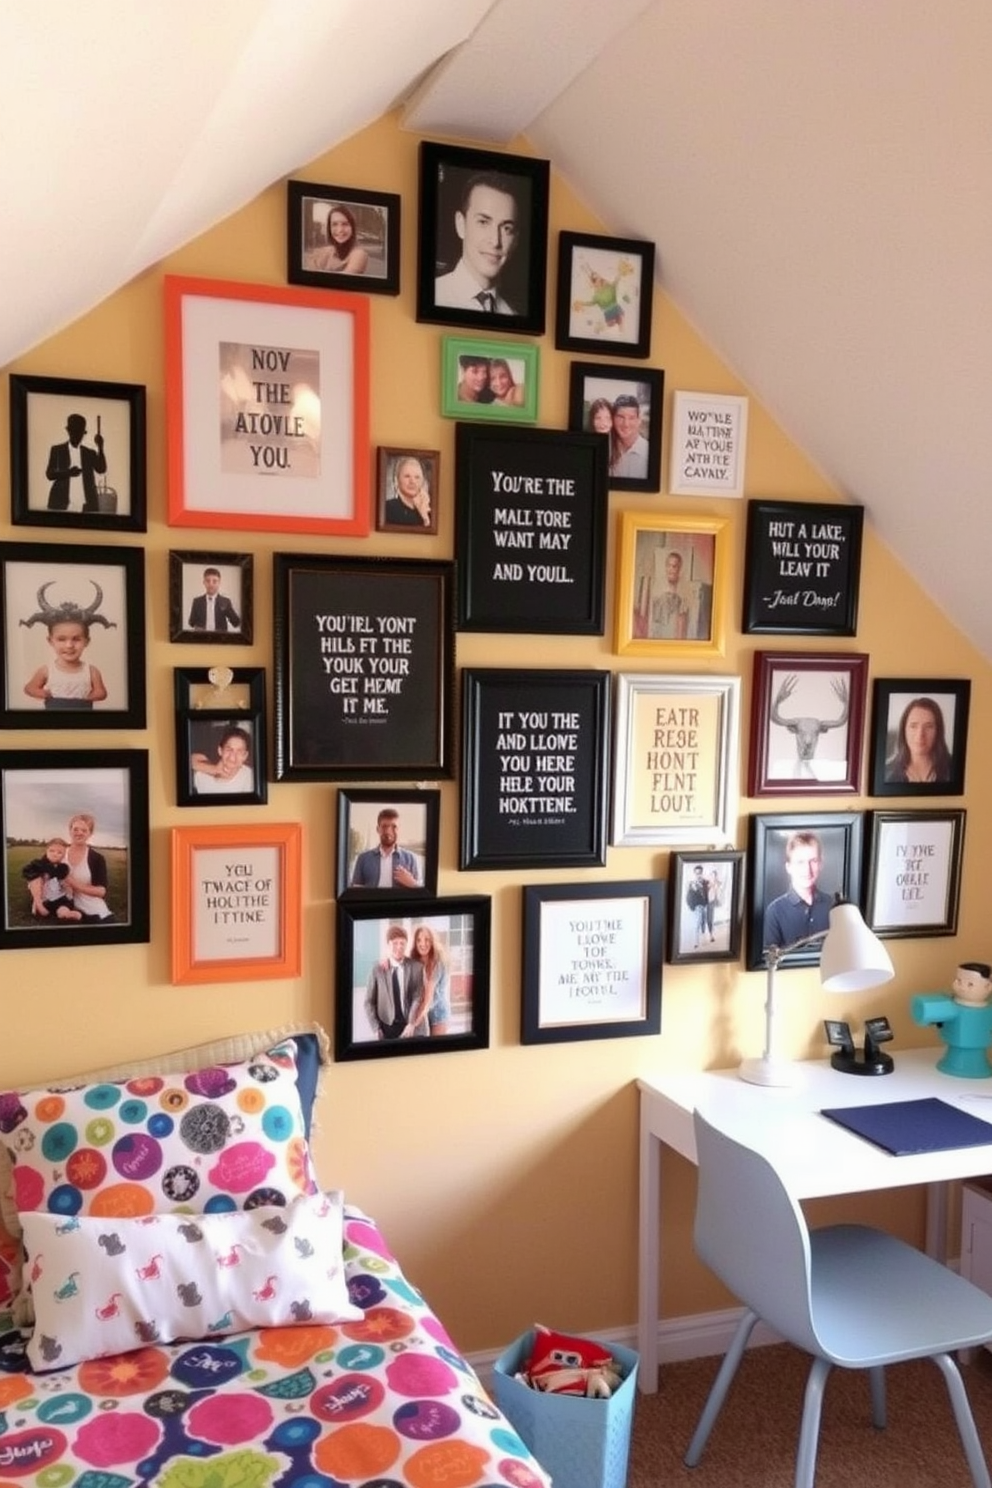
677,753
709,444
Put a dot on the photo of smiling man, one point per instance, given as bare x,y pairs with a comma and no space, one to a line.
488,226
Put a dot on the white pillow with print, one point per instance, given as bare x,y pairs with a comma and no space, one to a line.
103,1286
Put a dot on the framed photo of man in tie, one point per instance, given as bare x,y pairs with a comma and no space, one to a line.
483,239
210,598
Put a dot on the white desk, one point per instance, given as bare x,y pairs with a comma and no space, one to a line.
814,1156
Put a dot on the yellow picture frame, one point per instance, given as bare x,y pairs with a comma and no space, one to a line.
666,608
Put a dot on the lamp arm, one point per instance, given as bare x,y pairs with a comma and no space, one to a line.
773,955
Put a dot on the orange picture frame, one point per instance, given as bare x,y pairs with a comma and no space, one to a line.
236,902
267,408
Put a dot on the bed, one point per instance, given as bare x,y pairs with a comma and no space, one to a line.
182,1305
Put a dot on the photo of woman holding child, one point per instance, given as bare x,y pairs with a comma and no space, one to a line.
75,831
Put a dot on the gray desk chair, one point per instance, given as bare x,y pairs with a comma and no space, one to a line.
847,1294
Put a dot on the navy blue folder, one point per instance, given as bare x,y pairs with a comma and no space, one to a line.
908,1126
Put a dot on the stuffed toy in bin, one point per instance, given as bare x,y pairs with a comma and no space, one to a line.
564,1365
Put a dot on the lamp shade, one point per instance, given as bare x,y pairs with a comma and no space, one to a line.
853,958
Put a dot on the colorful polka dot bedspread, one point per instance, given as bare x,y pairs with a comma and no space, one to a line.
383,1402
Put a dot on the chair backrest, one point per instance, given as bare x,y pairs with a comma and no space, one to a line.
753,1234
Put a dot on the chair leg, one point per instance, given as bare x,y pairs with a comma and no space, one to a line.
966,1421
876,1379
809,1431
718,1392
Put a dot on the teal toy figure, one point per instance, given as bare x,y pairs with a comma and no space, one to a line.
964,1020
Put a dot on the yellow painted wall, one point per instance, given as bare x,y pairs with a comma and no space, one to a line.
506,1179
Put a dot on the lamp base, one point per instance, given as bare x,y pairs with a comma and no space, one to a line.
860,1064
780,1072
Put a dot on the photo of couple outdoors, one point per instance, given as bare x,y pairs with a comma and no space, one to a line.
706,908
624,417
412,978
66,849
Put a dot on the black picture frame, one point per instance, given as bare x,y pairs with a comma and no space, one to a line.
375,223
593,384
359,812
807,723
115,497
393,514
690,939
802,568
219,709
593,958
100,589
235,622
605,295
41,792
913,883
841,836
446,171
530,530
462,925
347,705
514,813
947,701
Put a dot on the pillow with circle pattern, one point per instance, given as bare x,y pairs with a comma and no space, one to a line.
206,1141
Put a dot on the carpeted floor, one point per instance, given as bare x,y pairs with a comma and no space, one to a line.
754,1440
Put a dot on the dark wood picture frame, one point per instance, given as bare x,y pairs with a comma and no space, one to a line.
903,703
605,295
446,172
374,217
593,384
47,585
220,716
807,723
364,667
717,937
417,814
593,957
841,836
535,768
914,867
530,530
235,624
393,513
41,456
41,792
461,928
802,568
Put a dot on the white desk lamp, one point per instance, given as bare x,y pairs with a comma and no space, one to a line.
852,960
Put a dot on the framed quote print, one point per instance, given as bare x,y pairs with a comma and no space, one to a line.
364,652
530,530
802,568
913,883
592,960
236,902
267,408
676,760
535,768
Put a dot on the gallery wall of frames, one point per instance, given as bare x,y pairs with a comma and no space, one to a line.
654,741
303,558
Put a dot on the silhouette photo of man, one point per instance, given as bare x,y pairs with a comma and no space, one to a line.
73,468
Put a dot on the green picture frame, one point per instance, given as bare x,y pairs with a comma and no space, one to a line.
465,396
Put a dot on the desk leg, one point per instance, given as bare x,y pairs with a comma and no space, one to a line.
936,1230
647,1257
